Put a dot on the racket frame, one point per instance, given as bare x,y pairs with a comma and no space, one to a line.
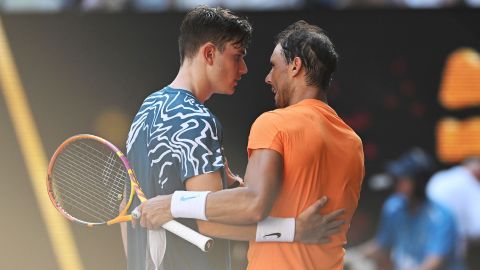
135,188
203,242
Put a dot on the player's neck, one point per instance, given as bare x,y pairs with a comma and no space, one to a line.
302,92
192,78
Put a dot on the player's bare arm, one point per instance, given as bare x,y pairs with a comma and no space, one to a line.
245,205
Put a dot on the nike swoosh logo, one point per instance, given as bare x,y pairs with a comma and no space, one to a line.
183,198
273,234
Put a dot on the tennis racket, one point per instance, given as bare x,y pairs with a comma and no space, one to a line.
90,182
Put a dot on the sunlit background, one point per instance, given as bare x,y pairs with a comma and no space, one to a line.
409,75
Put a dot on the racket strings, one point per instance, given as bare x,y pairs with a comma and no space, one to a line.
110,165
79,188
109,172
69,171
70,202
113,157
79,193
88,181
65,161
82,196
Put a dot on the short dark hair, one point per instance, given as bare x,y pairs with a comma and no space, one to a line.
217,25
311,44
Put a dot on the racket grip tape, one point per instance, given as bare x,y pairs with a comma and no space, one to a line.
201,241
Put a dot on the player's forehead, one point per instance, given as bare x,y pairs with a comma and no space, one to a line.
276,54
236,48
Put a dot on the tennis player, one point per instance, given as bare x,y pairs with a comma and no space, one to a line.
175,144
297,154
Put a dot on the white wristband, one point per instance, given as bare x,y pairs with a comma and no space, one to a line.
189,204
276,230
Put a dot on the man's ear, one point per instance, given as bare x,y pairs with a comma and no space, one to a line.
208,51
296,66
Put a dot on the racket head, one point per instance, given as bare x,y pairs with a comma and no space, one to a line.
89,181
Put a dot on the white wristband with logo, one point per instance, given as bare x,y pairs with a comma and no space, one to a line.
276,230
189,204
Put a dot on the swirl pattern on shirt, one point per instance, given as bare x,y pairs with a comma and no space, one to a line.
179,132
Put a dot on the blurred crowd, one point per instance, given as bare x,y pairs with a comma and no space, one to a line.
431,221
432,218
247,5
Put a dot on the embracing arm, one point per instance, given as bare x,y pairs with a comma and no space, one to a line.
240,206
310,226
252,203
245,205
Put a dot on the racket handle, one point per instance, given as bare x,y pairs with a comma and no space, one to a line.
199,240
136,213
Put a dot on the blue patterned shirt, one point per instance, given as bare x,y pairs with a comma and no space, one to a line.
172,138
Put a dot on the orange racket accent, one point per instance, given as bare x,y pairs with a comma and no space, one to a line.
90,181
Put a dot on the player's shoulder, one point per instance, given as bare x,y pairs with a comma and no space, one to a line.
179,103
273,116
270,120
175,96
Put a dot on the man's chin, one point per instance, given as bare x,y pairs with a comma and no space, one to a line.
226,92
230,91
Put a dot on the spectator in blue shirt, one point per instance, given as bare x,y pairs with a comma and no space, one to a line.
414,232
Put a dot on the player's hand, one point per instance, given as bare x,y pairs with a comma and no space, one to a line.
233,180
314,228
154,212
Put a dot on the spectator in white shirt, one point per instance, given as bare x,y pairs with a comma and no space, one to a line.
458,189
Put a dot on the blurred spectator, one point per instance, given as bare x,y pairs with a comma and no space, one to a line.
458,189
183,5
190,4
264,4
151,5
106,5
473,3
345,4
426,3
34,5
414,232
242,4
415,4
